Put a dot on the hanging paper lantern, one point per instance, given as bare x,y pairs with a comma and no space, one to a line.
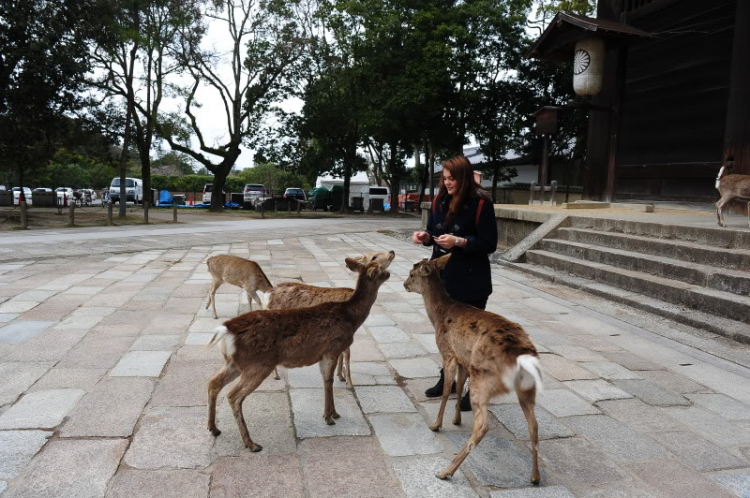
588,66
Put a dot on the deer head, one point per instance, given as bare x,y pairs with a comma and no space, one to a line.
384,258
422,271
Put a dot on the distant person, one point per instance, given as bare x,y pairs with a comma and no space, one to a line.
462,223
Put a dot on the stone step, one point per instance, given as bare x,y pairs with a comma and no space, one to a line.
716,302
728,238
731,329
713,277
737,259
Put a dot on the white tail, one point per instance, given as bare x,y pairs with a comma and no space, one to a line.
530,373
718,178
226,342
265,299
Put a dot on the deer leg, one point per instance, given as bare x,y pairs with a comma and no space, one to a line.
720,208
340,367
748,214
459,392
347,359
212,291
276,373
527,399
479,402
249,301
449,372
327,368
224,376
248,383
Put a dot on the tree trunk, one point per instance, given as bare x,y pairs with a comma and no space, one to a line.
495,173
124,164
347,185
220,180
431,162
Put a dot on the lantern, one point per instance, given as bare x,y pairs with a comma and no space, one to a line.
588,66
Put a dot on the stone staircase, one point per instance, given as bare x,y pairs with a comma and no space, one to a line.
696,276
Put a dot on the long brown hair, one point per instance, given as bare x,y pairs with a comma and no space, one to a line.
462,171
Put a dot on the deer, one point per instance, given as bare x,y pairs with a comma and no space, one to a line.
731,187
289,295
495,353
236,271
256,342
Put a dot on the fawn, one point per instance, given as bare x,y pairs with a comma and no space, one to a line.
496,353
236,271
294,295
254,343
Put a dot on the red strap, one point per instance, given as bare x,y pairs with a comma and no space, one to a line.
479,211
434,203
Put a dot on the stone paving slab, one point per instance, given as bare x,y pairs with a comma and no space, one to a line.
725,406
669,478
404,434
17,449
710,425
497,462
698,452
651,393
738,483
596,390
141,364
611,370
184,384
563,369
41,409
17,378
417,476
385,334
268,419
415,367
110,410
383,399
308,404
578,463
563,403
159,484
543,492
345,467
639,416
257,475
69,469
21,331
171,438
512,417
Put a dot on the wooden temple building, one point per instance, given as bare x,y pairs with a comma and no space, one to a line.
674,103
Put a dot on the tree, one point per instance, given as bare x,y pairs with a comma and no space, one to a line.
266,45
43,56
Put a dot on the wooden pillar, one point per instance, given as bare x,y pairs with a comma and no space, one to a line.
737,130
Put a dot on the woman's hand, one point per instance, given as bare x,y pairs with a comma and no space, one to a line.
420,237
447,241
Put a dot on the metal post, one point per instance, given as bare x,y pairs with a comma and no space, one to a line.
174,213
109,214
24,215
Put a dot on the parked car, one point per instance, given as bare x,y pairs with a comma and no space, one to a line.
320,198
133,190
17,194
367,194
254,193
295,193
207,190
42,189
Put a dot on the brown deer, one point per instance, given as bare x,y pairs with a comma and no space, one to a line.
236,271
731,187
290,295
496,353
254,343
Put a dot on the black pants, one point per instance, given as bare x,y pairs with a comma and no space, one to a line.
477,303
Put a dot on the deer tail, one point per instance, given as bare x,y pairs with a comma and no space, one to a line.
718,178
265,299
224,339
529,373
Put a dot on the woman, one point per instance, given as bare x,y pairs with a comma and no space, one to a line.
461,222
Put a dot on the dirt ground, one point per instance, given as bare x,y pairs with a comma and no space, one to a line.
96,216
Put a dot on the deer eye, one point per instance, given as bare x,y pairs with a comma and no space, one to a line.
373,258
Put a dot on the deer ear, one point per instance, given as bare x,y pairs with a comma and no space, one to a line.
373,271
424,270
353,264
440,262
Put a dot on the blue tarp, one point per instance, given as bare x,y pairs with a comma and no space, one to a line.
165,197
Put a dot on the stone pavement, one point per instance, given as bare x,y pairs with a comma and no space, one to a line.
104,370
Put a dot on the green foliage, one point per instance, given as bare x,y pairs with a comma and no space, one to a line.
69,169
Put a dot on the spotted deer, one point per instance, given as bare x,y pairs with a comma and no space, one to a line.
290,295
731,187
256,342
495,353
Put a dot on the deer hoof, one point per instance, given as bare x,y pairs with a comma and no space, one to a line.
256,448
443,475
435,428
535,482
336,415
214,431
330,421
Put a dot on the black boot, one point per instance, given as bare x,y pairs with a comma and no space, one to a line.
466,402
437,390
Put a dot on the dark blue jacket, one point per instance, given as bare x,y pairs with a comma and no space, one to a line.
467,275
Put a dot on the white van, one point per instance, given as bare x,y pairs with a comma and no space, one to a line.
369,192
133,189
